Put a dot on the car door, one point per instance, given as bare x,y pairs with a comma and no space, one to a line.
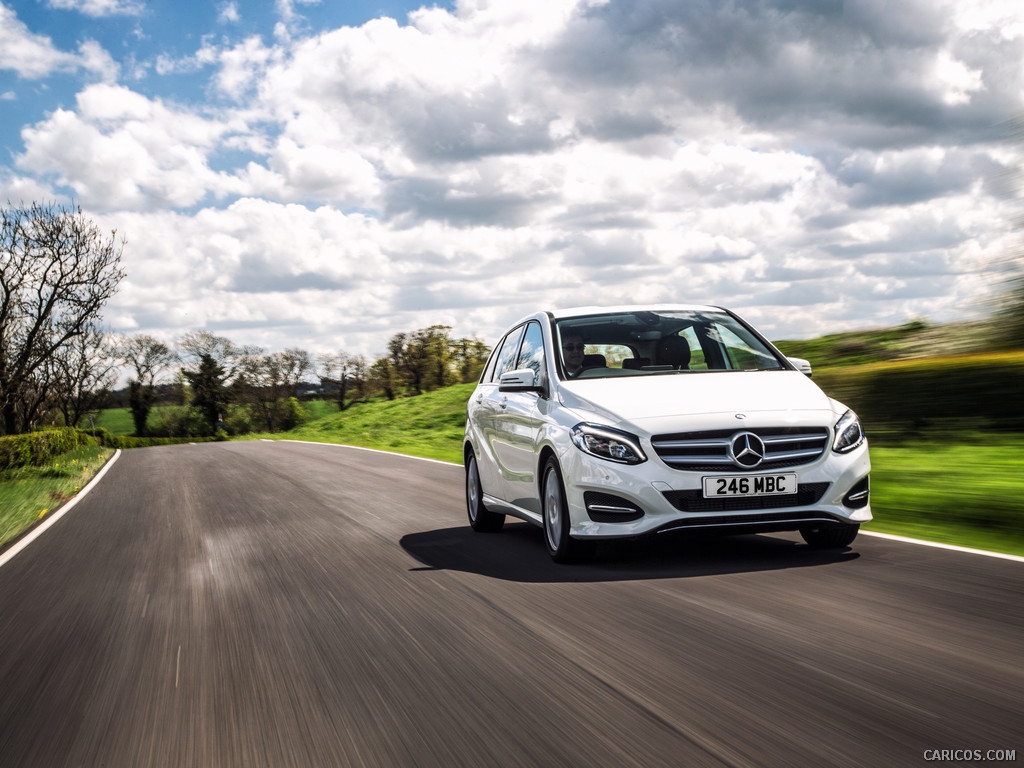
484,408
519,421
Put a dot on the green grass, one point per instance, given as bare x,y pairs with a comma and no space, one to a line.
429,425
29,493
965,493
117,421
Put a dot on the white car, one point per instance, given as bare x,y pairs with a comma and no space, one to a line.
602,423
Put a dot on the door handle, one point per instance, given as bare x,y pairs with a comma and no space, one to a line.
504,402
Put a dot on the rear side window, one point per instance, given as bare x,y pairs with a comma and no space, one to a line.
507,353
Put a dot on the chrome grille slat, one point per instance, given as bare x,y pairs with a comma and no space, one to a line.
710,451
669,444
697,459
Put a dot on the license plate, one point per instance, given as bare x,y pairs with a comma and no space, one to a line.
749,485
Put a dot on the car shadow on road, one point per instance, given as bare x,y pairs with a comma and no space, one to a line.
518,554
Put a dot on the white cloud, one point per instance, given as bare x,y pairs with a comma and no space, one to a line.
820,165
100,7
229,14
35,56
120,149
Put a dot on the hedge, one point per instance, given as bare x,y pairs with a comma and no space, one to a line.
35,448
970,391
108,440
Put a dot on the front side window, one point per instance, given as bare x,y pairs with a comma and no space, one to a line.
652,343
507,354
531,353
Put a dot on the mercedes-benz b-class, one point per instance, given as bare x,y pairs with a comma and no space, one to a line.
604,423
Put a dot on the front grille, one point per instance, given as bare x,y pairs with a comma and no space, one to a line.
709,451
694,501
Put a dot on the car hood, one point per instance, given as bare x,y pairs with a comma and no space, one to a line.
657,402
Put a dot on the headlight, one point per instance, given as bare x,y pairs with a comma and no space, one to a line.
849,434
607,443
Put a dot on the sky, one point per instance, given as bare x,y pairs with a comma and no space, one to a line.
326,174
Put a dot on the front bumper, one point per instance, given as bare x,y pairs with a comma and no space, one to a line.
608,500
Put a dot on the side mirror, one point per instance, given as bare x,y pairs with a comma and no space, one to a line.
801,365
523,380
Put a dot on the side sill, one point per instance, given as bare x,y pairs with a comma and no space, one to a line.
506,508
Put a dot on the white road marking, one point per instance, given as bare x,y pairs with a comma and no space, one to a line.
39,529
937,545
371,450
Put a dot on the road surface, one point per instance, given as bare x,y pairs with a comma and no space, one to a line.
286,604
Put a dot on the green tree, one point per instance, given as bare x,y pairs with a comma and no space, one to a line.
470,356
383,377
209,390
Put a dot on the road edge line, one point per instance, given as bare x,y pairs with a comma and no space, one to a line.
939,545
38,530
371,450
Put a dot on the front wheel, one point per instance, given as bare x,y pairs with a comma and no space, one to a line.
481,519
830,536
562,547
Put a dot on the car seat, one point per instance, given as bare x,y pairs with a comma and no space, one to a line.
674,351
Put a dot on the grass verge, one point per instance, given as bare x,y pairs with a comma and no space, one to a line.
30,493
966,493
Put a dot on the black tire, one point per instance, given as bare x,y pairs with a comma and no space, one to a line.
830,536
562,547
481,519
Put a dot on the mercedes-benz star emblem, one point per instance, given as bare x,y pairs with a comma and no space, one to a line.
746,450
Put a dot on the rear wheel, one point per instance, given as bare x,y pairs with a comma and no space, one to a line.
480,518
562,547
830,536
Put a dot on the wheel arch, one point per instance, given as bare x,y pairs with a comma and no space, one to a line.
547,452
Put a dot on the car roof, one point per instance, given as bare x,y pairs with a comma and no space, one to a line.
569,312
559,314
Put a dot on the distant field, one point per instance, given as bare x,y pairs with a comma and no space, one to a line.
118,421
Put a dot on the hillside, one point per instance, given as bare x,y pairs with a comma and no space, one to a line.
912,340
429,425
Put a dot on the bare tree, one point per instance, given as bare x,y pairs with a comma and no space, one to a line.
148,358
195,344
339,372
295,365
56,272
85,372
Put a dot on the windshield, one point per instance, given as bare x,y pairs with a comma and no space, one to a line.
652,343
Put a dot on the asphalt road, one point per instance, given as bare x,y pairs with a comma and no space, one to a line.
284,604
